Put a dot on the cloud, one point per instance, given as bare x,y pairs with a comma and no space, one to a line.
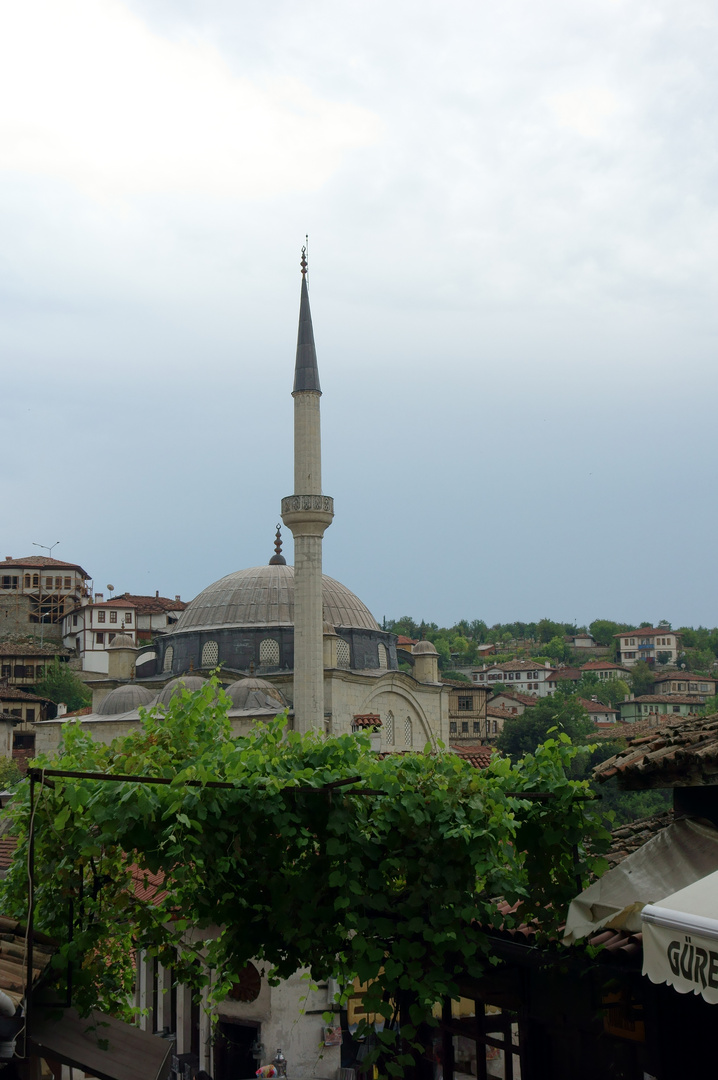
89,94
585,110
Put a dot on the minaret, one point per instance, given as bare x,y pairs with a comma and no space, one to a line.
307,513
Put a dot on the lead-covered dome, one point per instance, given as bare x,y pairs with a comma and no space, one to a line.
264,596
125,698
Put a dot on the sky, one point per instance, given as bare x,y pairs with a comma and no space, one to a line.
512,218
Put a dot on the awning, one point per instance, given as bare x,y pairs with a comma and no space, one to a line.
680,939
128,1054
674,858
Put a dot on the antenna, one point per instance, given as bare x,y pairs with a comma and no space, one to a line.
46,548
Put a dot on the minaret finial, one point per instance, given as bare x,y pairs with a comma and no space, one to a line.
304,264
278,559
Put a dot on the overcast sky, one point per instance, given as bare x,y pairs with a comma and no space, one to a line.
513,222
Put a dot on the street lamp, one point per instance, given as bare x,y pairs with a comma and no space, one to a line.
47,615
46,548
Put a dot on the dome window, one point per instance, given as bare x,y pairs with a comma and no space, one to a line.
210,654
269,653
382,656
343,657
169,656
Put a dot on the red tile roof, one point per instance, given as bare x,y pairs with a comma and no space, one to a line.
648,631
147,605
516,665
565,674
502,712
12,693
596,706
28,648
602,665
7,849
22,755
681,754
366,720
479,756
684,676
625,730
43,563
516,695
669,699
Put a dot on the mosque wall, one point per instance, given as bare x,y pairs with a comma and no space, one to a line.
396,697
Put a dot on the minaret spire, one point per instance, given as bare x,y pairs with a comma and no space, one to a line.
307,513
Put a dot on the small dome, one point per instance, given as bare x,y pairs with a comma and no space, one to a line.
424,648
255,694
122,641
185,682
124,698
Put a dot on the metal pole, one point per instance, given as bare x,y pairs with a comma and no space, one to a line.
30,905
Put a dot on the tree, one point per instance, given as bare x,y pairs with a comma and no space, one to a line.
546,629
562,710
557,649
62,684
603,631
642,678
391,884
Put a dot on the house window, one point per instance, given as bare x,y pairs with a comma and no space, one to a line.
58,583
6,671
128,618
704,686
99,639
269,653
75,620
408,734
35,581
676,708
210,654
100,616
9,581
495,727
477,727
30,719
167,662
343,658
113,616
464,727
25,740
48,582
453,727
27,581
481,678
466,704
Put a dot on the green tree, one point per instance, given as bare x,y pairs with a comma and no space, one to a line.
392,884
557,649
62,684
642,678
523,734
546,630
604,630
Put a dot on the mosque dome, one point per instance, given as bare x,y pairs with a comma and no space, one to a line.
255,694
424,648
122,641
186,682
264,596
125,698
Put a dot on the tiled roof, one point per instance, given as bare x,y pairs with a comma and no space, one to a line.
502,712
518,665
32,648
13,971
478,756
681,754
366,720
402,640
147,605
22,755
43,563
684,676
648,631
617,946
623,730
516,695
7,850
564,674
628,838
148,886
596,706
601,665
12,693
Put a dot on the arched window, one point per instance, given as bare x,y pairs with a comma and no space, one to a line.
382,655
408,734
389,729
269,653
169,655
210,654
343,657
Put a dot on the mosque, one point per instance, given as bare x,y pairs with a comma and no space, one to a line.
282,636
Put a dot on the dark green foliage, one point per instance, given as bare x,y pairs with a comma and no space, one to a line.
562,710
391,888
642,678
62,684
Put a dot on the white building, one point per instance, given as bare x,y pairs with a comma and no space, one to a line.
648,644
89,629
526,676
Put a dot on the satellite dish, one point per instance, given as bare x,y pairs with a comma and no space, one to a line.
110,588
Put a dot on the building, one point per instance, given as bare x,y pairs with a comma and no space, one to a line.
683,682
581,641
23,662
563,675
653,644
605,669
467,712
513,701
523,675
35,593
89,629
640,707
598,712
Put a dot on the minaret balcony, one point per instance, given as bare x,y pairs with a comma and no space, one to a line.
310,514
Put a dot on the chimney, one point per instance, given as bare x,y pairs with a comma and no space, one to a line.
8,558
177,598
157,594
61,708
99,597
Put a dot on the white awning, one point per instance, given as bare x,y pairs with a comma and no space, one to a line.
672,859
680,939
